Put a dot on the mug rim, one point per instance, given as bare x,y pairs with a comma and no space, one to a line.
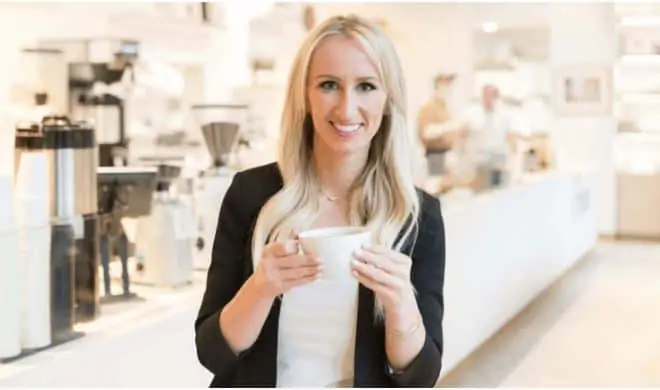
331,231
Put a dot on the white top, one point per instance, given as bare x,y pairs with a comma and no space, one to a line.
316,343
488,131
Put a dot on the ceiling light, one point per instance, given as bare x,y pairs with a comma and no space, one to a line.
489,27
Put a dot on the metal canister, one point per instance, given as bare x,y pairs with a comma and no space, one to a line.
73,158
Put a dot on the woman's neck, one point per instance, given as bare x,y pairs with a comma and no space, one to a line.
337,172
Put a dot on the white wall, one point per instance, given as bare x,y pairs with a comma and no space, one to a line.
8,66
584,34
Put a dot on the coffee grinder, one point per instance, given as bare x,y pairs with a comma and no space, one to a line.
220,125
164,238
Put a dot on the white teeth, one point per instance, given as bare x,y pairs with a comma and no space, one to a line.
347,128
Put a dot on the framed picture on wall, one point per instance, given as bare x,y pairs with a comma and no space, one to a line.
583,90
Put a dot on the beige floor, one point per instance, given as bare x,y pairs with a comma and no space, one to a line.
599,326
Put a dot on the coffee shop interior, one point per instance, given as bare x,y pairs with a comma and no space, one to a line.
123,124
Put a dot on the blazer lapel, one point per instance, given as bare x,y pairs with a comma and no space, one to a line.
369,338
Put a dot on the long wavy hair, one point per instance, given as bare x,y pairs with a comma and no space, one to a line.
383,198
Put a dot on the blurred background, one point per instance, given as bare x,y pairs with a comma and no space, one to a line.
122,125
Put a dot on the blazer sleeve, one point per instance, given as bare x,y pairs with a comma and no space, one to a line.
224,279
427,274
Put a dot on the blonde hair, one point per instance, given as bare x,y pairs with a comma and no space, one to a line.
383,197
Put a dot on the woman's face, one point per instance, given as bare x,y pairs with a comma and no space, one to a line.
346,99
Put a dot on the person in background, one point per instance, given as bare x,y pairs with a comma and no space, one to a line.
343,160
481,158
435,128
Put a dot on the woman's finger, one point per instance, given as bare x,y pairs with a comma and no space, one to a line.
386,252
296,261
380,261
379,289
378,275
292,274
294,234
279,249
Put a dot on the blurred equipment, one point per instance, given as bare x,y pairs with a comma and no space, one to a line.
71,155
41,85
100,80
10,290
220,124
33,221
124,192
164,238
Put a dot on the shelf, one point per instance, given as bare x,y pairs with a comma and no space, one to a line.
639,136
639,98
636,145
639,59
646,21
491,65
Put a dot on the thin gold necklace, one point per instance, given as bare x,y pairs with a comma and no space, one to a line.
330,197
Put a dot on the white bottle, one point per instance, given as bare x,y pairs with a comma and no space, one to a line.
10,304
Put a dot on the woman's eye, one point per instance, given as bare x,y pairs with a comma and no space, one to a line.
329,85
365,87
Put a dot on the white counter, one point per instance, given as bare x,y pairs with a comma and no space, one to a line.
506,246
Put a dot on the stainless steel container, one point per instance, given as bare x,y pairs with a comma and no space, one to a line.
73,159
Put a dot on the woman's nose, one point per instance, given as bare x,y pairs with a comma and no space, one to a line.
348,106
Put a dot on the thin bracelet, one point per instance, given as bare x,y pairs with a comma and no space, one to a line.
413,328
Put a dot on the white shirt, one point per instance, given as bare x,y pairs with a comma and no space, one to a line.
487,137
317,333
488,131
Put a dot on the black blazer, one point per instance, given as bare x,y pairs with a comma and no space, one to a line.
231,265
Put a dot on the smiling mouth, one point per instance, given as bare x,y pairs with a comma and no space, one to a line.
347,128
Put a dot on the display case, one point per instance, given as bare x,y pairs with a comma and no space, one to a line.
637,112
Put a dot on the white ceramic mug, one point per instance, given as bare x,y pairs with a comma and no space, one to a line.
335,246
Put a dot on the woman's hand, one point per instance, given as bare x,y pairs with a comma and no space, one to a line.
282,267
387,273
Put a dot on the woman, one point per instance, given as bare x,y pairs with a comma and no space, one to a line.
343,160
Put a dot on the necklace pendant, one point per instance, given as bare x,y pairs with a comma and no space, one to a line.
332,198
